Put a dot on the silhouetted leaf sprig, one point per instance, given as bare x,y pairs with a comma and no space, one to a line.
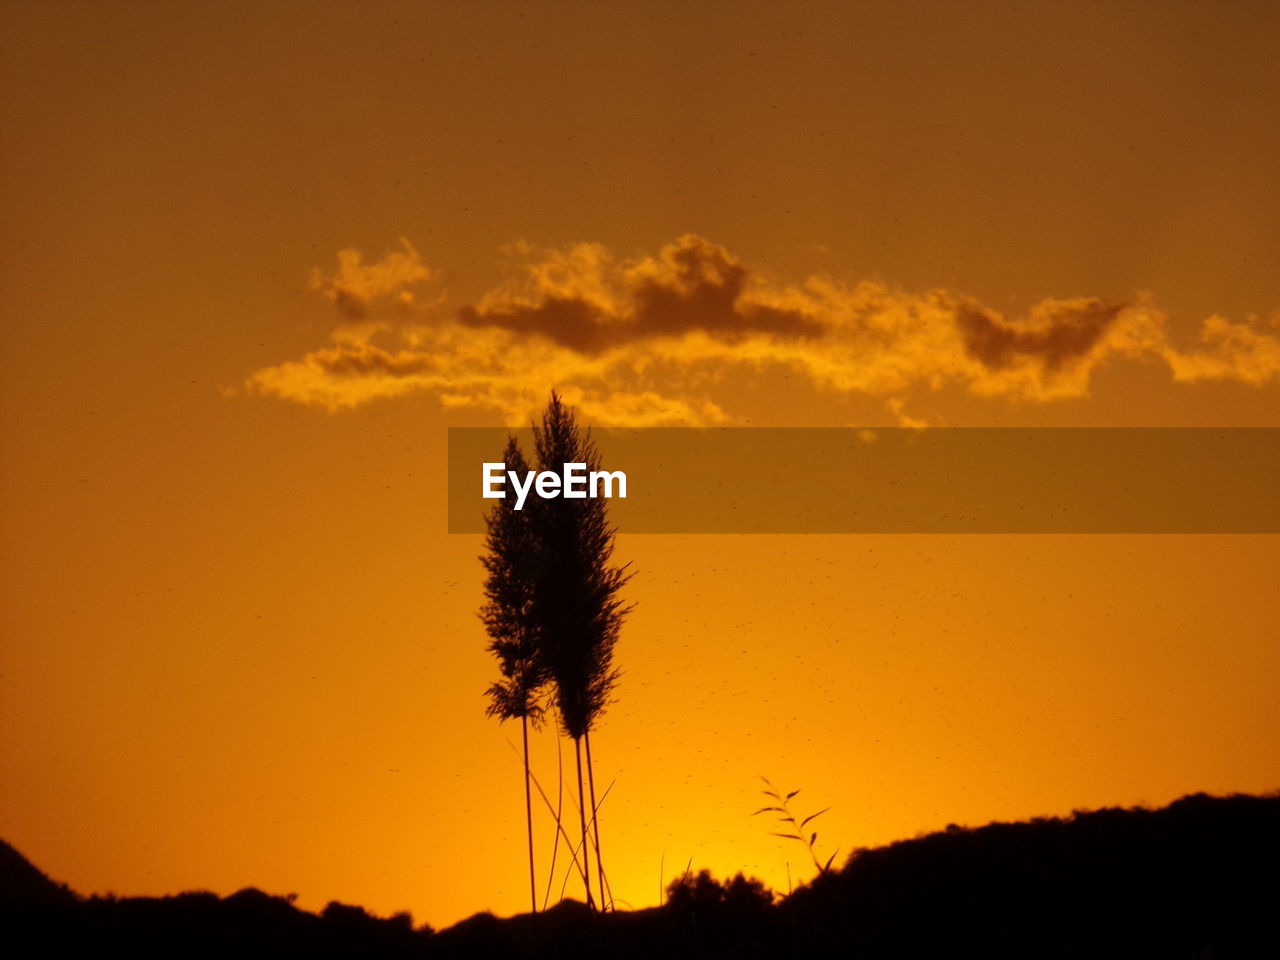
795,828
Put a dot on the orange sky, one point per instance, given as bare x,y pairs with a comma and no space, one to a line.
258,257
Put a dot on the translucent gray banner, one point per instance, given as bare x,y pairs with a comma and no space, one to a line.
956,480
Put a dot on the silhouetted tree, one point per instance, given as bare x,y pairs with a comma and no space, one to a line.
575,602
703,893
511,559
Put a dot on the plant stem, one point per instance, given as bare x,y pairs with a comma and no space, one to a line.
595,818
560,830
582,817
555,846
528,813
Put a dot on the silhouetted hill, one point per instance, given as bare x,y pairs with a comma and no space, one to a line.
23,884
1197,879
199,924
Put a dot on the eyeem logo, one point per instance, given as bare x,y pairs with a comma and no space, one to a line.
574,483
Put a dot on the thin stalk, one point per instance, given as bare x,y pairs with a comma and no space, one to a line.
555,846
528,814
606,890
568,841
604,796
595,819
582,817
574,852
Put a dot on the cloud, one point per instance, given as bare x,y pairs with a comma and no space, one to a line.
651,340
583,300
1062,334
1228,351
357,286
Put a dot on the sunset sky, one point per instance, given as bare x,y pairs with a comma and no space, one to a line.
259,257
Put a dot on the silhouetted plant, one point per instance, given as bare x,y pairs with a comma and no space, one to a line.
553,612
511,559
576,606
782,807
